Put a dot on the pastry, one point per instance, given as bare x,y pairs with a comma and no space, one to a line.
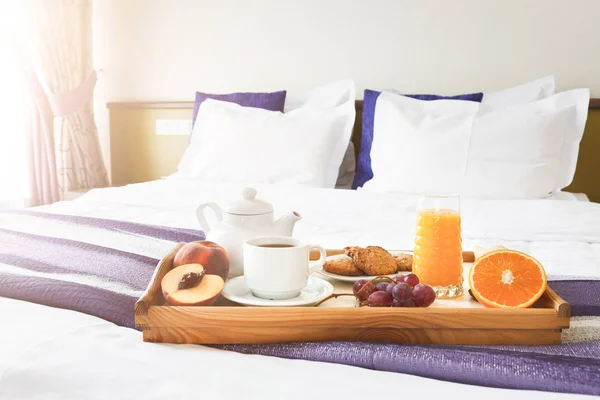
374,260
342,265
404,261
350,250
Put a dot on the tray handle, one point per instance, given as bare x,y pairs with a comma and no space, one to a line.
149,297
553,300
468,256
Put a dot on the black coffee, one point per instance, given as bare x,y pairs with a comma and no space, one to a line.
275,245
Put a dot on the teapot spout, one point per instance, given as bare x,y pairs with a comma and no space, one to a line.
284,226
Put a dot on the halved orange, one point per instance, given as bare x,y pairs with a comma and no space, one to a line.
507,278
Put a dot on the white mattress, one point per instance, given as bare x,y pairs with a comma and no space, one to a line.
57,354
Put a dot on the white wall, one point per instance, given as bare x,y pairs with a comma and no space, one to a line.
166,49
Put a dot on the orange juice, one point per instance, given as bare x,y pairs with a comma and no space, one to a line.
438,250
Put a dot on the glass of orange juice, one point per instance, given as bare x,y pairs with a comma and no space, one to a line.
438,244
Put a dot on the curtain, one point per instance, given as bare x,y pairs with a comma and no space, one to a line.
58,50
43,188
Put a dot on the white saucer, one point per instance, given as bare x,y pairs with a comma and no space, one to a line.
346,278
317,289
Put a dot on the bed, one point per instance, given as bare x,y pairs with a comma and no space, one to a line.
61,353
49,352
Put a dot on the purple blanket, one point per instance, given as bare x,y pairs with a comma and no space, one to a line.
96,268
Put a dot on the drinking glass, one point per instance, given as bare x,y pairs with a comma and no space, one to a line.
438,258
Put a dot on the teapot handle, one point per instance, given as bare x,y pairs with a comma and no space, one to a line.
202,218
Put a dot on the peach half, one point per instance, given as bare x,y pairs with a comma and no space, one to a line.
204,293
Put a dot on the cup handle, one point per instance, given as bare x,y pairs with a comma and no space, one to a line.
314,265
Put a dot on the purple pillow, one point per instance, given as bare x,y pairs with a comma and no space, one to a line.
269,101
363,163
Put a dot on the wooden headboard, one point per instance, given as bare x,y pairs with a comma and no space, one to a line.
139,155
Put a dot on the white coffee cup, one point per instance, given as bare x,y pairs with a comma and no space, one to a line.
277,267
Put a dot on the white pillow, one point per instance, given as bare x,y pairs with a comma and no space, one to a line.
526,93
476,150
419,146
243,144
337,98
532,149
330,95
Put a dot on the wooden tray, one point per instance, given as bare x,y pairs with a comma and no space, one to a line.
457,321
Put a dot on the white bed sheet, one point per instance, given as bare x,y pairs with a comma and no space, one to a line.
50,353
557,232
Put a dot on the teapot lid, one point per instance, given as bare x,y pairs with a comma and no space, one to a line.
248,205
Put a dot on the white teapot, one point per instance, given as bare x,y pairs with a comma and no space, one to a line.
241,220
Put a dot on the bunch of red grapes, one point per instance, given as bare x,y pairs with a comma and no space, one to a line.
404,291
